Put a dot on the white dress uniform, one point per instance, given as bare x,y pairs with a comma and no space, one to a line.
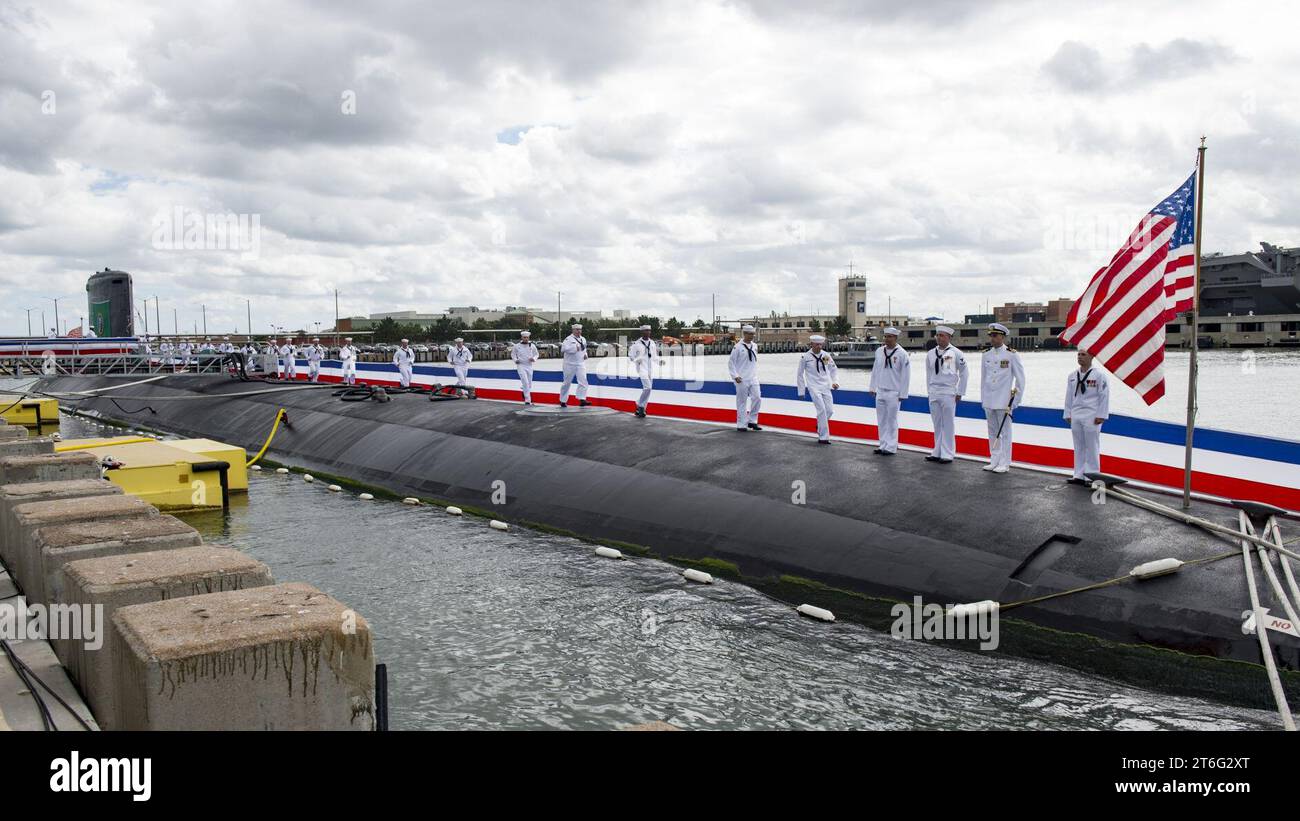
1000,371
165,352
404,359
187,351
743,365
817,372
945,379
460,357
250,357
890,377
524,355
290,356
574,349
315,353
348,356
644,353
1087,397
227,347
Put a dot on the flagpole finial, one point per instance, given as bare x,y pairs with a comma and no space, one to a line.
1202,141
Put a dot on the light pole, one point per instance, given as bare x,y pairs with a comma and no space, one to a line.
29,320
55,300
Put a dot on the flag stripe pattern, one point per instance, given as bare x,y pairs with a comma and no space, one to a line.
1121,316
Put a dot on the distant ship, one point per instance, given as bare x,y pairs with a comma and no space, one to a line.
855,354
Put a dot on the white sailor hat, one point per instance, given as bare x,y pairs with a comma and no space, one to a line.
645,327
315,339
347,339
404,341
525,333
891,331
575,327
747,329
816,338
944,329
459,339
998,327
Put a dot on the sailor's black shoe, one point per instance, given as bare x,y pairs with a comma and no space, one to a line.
754,426
582,403
877,450
933,459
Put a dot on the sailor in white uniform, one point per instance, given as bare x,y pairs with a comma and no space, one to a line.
165,353
348,357
271,357
743,367
644,354
890,376
817,374
315,353
226,345
187,352
404,359
1087,406
574,349
945,382
525,353
459,356
1002,389
289,353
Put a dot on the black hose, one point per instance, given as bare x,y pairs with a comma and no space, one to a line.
124,410
47,719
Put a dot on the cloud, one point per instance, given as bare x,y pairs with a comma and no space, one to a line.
632,155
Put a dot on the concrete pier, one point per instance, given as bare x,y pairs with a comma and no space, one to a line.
55,546
26,445
11,496
48,467
113,582
280,657
32,516
158,630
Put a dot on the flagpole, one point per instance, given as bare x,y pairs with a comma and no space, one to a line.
1196,327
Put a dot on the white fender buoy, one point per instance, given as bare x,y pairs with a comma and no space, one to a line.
497,524
455,511
57,437
307,477
961,611
814,612
366,496
609,553
281,470
1160,567
693,575
335,488
410,500
256,467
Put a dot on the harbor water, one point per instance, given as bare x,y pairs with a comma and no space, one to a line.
522,630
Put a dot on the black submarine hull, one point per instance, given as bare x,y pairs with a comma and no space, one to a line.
835,526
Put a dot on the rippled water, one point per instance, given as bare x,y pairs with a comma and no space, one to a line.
524,630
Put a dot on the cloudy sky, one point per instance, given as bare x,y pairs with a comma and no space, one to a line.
644,156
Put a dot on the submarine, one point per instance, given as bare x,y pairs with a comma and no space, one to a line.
832,527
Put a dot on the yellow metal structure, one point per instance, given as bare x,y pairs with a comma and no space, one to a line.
169,477
29,411
237,476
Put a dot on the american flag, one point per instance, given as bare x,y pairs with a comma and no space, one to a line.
75,332
1122,314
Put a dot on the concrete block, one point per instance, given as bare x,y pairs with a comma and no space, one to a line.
284,657
113,582
26,445
48,467
54,546
9,432
13,495
32,516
